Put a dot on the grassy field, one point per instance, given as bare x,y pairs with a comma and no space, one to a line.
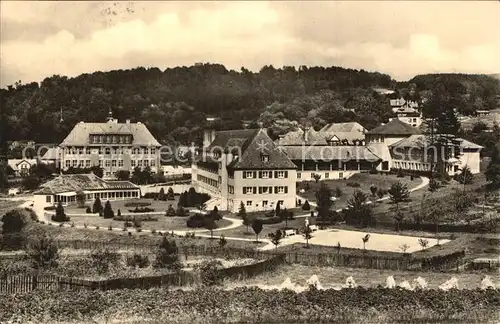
336,276
163,223
7,205
365,180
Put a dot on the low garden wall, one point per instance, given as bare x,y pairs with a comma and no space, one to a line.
28,282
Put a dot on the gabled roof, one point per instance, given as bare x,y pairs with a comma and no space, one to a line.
13,163
52,153
342,127
232,138
80,182
395,127
420,141
79,136
252,150
329,153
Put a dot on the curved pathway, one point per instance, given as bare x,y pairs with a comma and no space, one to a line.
235,222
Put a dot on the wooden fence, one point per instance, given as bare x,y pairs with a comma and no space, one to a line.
23,283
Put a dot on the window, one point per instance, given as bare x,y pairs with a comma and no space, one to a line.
115,139
249,203
87,163
108,163
139,163
113,163
132,163
120,163
108,174
146,163
281,174
327,175
264,190
75,163
248,174
299,175
67,163
281,190
264,158
107,150
153,150
247,190
341,175
265,174
100,163
153,163
121,139
280,202
48,199
230,189
264,203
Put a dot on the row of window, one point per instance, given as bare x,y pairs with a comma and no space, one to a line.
122,139
326,175
265,190
101,195
109,150
109,163
209,181
207,169
265,203
265,174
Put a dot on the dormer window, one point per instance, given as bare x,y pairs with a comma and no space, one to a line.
264,158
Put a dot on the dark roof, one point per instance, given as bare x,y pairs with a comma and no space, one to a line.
78,182
329,153
232,138
420,141
299,136
395,127
253,148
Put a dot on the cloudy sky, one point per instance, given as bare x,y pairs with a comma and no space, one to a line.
39,39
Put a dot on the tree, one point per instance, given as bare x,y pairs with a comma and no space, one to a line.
324,201
13,221
108,211
257,227
97,206
306,206
465,177
122,175
60,215
222,241
170,194
215,213
30,182
365,240
433,185
183,199
43,252
209,224
399,192
398,217
423,243
161,195
277,210
246,222
380,193
338,192
316,177
373,190
307,234
167,255
242,211
404,248
170,211
276,237
492,172
358,212
80,199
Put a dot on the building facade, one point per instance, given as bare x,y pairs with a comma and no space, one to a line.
65,188
244,166
113,146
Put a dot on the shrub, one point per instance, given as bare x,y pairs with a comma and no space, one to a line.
14,221
167,255
209,272
141,210
108,211
196,221
97,227
373,190
102,259
181,211
270,220
170,211
43,252
110,228
119,213
137,260
353,184
88,210
400,173
138,204
60,215
137,223
97,206
306,206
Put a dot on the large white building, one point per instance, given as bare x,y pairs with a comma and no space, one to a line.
113,146
244,166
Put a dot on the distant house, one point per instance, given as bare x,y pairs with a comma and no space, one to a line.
409,115
65,187
21,167
397,104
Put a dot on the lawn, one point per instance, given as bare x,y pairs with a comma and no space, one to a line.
157,205
365,180
336,276
7,205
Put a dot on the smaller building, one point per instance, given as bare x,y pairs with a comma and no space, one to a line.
21,167
65,187
409,115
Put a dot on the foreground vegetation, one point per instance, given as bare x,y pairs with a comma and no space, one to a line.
253,305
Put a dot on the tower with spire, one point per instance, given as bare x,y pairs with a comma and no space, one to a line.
110,118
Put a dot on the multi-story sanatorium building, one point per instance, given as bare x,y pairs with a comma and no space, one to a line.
244,166
112,145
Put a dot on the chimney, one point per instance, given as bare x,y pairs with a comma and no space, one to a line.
127,121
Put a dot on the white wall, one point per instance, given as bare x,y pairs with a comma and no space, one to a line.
178,188
472,160
332,175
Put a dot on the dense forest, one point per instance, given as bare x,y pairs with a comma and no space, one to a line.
174,103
